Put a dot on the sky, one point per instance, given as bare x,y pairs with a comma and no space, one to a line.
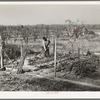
48,14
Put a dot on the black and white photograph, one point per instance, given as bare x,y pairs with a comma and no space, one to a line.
50,47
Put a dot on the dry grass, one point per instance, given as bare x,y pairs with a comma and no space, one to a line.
28,82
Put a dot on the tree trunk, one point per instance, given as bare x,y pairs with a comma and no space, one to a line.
72,48
21,48
20,67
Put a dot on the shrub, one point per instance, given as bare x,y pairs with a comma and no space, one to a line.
13,51
91,33
85,67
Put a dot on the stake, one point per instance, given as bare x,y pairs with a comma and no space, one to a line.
55,57
2,55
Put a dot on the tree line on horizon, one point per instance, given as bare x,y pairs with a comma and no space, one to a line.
37,31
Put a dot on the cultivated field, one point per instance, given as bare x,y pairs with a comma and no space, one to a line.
39,71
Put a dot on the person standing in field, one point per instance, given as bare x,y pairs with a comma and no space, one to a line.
46,44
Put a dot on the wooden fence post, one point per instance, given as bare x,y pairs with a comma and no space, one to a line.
55,51
2,53
53,46
21,48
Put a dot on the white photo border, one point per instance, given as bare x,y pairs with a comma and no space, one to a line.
51,95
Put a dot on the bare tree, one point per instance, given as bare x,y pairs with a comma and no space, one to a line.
73,31
24,51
